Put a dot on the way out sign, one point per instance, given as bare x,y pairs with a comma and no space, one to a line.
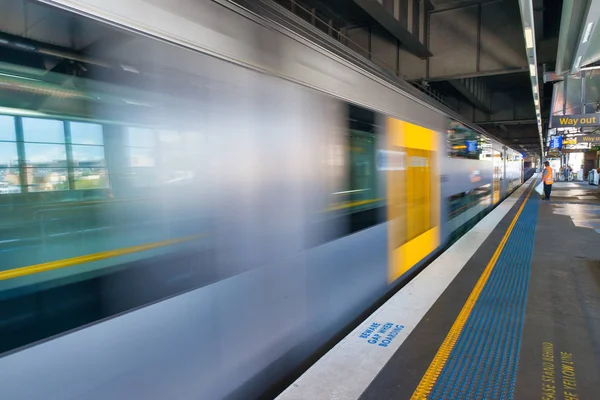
575,121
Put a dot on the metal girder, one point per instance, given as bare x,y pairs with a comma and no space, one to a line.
386,20
476,93
508,122
462,4
480,74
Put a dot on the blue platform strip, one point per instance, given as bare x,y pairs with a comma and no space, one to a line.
483,363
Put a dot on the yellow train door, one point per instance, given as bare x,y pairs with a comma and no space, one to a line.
498,171
413,194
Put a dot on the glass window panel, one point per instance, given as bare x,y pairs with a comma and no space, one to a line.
89,178
9,170
46,168
46,155
8,154
42,178
48,180
7,128
43,130
83,133
141,157
140,137
88,156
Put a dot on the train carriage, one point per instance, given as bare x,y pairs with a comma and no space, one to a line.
200,200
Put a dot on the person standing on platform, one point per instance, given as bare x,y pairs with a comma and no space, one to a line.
548,179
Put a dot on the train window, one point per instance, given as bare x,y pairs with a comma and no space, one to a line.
179,155
45,154
46,167
362,189
86,134
356,202
7,128
38,130
467,208
9,169
9,165
88,160
141,156
360,198
466,143
486,149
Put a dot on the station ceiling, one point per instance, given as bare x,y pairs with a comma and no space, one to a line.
474,60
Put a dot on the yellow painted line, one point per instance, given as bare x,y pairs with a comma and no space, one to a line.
69,262
352,204
439,361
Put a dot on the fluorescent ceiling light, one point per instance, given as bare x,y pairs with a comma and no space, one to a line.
528,38
587,33
535,89
536,102
532,69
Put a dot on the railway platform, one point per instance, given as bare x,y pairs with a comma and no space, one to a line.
510,311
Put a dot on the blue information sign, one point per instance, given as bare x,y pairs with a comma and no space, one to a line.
471,146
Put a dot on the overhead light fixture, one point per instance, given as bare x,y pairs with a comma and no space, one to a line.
535,89
536,102
587,33
532,69
528,38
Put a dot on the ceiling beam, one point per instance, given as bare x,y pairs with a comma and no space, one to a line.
470,89
508,122
480,74
462,4
385,19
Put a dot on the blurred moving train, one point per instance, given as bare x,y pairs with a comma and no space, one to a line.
194,200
